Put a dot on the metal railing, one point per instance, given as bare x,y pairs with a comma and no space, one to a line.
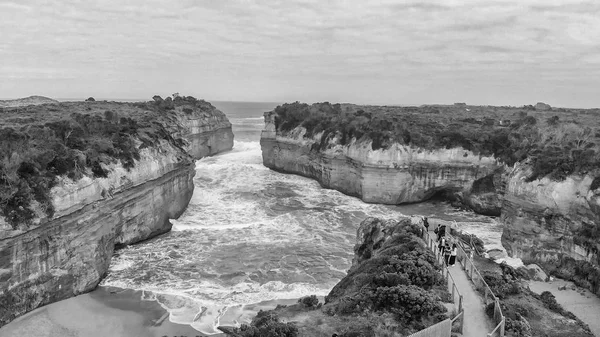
466,261
444,328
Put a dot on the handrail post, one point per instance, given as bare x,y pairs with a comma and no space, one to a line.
453,286
460,303
485,299
471,275
502,327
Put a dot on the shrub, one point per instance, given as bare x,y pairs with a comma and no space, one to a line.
266,324
90,99
310,301
409,302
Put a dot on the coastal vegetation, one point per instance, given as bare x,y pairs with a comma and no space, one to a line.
527,313
555,143
40,143
538,141
395,290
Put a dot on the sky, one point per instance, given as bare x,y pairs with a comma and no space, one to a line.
497,52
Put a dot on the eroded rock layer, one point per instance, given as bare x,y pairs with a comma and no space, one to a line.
69,253
395,175
553,223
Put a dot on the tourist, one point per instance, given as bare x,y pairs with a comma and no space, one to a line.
447,252
425,223
442,231
441,244
437,231
453,253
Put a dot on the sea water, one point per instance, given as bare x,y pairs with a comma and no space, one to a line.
251,237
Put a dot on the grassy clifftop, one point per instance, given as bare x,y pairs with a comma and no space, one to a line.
555,142
75,139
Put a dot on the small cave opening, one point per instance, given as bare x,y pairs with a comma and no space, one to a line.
441,195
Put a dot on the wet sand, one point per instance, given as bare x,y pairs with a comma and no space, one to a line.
586,307
104,312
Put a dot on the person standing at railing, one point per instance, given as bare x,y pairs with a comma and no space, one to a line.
441,244
453,254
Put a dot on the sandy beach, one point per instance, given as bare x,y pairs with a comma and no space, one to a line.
584,304
104,312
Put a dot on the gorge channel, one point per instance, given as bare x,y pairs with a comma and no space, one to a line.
251,235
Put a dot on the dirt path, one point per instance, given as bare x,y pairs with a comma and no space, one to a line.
476,321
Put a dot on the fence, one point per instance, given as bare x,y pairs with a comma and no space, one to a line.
441,329
444,328
466,261
456,298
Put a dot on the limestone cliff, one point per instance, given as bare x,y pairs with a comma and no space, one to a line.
546,221
394,175
538,172
57,256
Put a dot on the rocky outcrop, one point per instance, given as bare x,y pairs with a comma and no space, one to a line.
542,106
486,194
70,252
31,100
546,221
394,287
207,134
395,175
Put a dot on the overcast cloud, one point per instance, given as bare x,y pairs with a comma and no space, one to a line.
501,52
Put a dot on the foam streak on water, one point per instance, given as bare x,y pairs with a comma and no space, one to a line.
251,235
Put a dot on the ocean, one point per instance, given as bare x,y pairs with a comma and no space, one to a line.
251,237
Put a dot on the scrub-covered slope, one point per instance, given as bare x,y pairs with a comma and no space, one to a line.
394,288
79,178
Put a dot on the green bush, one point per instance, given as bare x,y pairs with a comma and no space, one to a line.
69,143
266,324
410,303
501,285
310,301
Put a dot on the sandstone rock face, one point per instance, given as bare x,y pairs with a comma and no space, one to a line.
370,236
536,273
207,134
399,174
486,194
70,253
544,220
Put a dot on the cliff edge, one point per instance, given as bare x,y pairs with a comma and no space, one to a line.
81,178
538,169
370,155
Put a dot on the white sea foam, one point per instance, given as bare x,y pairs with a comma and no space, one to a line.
251,234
